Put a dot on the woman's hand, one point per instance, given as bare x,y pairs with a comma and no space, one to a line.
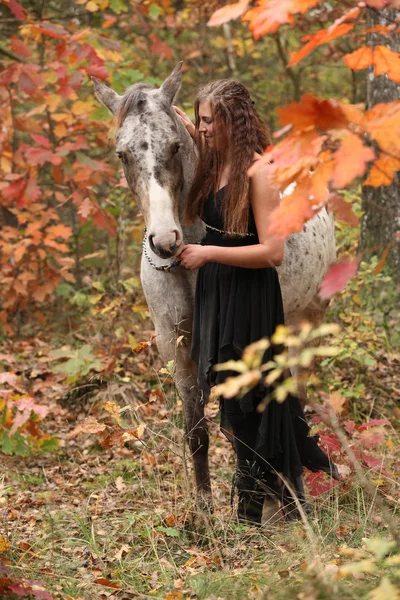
194,256
185,120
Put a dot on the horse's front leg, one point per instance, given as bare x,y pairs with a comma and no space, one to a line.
185,379
196,428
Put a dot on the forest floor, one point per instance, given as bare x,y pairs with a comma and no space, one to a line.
119,521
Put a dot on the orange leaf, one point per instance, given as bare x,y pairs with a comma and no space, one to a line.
337,29
291,158
342,209
59,230
312,112
352,112
109,21
387,61
321,37
227,13
290,216
104,220
89,425
309,194
351,160
337,277
106,582
383,258
382,171
270,14
359,59
336,402
43,291
382,123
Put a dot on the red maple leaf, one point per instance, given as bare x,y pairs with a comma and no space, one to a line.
18,11
337,277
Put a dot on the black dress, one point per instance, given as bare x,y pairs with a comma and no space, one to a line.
235,306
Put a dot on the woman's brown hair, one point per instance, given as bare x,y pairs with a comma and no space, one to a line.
233,114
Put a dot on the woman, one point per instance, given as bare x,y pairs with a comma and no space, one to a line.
238,298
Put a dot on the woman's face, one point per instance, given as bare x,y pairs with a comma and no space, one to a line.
206,126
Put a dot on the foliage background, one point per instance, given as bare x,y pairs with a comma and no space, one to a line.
76,330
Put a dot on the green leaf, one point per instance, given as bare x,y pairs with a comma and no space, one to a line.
71,367
49,445
6,444
154,11
65,290
20,446
169,531
118,6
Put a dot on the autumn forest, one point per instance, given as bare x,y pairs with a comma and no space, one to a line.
97,486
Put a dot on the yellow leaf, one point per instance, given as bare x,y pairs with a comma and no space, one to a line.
385,591
140,430
92,6
79,107
280,335
5,164
60,130
53,101
4,544
363,566
113,409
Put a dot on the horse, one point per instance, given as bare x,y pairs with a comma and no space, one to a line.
159,158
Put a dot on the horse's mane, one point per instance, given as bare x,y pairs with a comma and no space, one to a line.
131,99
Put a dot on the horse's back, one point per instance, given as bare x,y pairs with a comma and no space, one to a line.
308,255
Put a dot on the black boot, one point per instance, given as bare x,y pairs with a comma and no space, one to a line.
289,504
250,497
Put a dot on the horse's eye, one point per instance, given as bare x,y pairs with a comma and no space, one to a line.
176,148
122,157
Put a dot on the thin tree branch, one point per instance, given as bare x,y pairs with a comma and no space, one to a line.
284,59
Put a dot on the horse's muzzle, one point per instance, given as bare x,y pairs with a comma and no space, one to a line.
165,246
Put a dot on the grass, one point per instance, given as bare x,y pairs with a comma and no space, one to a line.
89,513
84,516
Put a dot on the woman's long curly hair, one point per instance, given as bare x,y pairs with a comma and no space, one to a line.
236,119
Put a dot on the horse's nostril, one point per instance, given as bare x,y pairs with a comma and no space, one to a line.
177,237
151,240
173,247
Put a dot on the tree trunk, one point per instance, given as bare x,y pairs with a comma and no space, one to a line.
381,205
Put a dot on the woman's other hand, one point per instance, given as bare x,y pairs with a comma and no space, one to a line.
185,120
194,256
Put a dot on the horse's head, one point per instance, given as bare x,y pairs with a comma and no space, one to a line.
154,149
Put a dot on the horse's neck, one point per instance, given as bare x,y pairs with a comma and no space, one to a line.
191,233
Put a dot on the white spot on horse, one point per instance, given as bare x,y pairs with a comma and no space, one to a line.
161,225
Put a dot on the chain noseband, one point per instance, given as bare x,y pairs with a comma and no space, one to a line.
164,268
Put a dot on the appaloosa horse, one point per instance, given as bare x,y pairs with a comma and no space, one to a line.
159,157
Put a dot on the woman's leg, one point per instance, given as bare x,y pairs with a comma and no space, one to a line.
244,428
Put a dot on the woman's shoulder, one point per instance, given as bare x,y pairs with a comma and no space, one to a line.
261,171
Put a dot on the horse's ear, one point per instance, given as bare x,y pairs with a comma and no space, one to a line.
106,95
172,84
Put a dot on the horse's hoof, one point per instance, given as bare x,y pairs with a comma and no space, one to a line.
205,504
